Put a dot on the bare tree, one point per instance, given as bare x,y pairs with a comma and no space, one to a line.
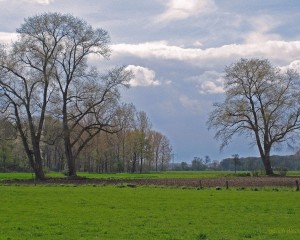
156,143
165,153
52,54
25,87
125,119
92,107
84,99
162,150
236,161
261,102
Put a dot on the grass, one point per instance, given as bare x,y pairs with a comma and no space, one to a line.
20,175
293,173
159,175
152,175
87,212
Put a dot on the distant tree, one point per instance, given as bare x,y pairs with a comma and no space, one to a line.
143,126
215,165
165,153
236,161
207,160
261,102
156,142
198,164
126,121
184,166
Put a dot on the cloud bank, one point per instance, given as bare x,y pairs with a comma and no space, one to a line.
7,38
162,50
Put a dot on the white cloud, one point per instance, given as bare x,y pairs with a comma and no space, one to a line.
159,49
142,76
211,87
209,82
273,50
182,9
7,38
295,65
212,82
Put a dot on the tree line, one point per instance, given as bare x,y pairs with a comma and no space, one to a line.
136,147
289,162
66,113
198,164
236,163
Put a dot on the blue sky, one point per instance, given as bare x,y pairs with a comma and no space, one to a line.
178,50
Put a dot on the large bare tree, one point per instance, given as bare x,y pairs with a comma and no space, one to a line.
91,107
47,72
25,89
86,100
262,102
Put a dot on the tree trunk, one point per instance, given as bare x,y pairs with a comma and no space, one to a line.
134,162
38,170
69,153
141,164
70,159
267,164
34,156
67,140
36,164
156,161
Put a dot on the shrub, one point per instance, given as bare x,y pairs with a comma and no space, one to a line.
282,171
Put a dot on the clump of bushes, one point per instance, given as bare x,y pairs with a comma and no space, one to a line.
282,171
238,174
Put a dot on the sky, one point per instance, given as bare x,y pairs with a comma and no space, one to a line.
178,50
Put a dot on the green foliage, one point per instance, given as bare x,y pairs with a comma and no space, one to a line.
87,212
282,171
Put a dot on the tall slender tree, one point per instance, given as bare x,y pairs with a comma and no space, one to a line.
26,69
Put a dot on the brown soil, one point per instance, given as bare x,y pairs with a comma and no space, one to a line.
190,182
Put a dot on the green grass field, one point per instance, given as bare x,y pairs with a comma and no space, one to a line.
159,175
87,212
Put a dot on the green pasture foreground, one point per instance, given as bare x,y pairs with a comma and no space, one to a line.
154,175
110,212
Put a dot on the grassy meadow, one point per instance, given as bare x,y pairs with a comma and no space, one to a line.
89,212
152,175
110,212
157,175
